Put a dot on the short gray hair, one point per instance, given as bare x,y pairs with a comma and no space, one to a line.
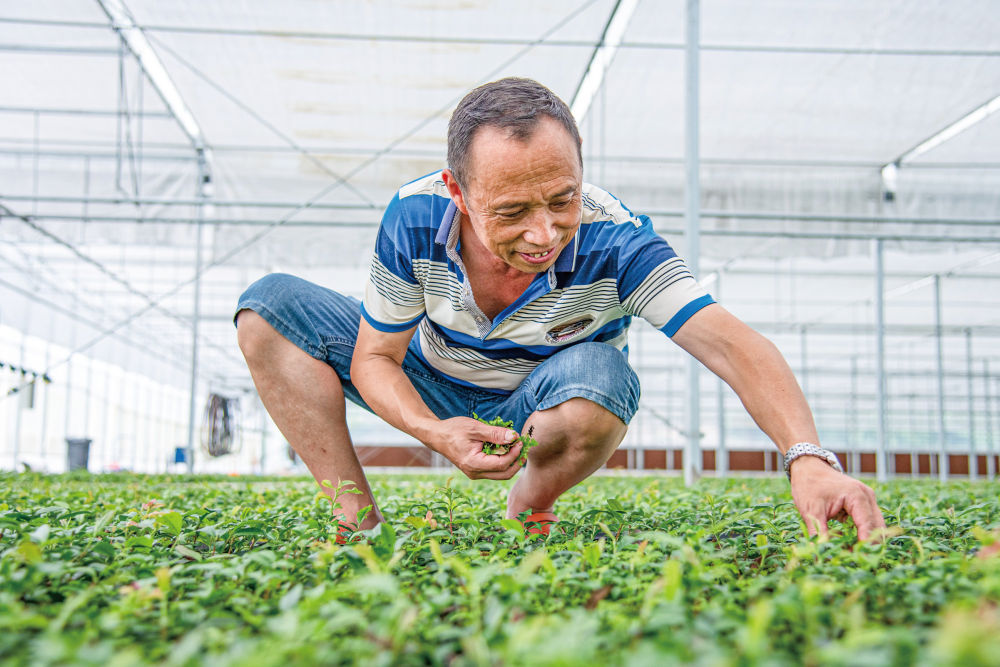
513,104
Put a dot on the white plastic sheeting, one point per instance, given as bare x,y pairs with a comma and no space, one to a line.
314,112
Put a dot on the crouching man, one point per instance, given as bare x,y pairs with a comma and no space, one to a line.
505,285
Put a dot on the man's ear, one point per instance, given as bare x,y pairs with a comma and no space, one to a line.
454,190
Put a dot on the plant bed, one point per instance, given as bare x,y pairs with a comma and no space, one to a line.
122,569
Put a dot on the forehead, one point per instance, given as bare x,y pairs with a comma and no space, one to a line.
548,154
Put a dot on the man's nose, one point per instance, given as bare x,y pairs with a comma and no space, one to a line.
541,231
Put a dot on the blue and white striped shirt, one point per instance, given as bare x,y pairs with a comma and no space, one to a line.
616,267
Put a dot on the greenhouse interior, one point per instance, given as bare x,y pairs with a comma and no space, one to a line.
827,177
829,171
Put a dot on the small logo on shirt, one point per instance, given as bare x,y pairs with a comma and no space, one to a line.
564,332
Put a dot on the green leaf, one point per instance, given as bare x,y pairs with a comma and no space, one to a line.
291,599
514,525
171,520
104,548
187,552
385,541
29,552
592,554
103,522
41,534
140,541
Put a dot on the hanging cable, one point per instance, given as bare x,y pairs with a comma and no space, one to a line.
221,432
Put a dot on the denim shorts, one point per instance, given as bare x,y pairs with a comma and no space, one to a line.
325,323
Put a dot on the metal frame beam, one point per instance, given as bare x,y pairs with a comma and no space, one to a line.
520,41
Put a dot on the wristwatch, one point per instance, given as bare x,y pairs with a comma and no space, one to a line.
800,449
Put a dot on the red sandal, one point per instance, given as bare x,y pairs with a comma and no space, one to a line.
344,532
539,523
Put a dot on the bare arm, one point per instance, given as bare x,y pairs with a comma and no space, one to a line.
376,370
760,376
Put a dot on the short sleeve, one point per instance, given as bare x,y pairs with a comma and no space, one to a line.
654,283
394,298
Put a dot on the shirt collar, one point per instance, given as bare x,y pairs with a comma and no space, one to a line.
566,261
447,222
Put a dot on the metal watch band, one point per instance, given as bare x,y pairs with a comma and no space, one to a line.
800,449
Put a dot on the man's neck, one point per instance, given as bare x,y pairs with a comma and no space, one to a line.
494,283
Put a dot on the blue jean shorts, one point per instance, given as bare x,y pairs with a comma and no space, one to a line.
324,324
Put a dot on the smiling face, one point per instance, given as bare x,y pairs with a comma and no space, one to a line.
522,200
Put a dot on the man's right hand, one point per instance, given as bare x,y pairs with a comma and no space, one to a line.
460,440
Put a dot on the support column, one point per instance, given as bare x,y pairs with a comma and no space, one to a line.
692,200
153,436
881,469
204,183
113,446
853,421
973,458
22,390
939,357
44,386
261,467
804,362
990,442
722,453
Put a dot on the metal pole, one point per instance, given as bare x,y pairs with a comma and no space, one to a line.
988,401
640,449
939,357
914,456
149,439
804,362
853,423
23,392
722,453
44,386
88,393
204,179
881,470
973,456
692,201
263,439
133,439
114,445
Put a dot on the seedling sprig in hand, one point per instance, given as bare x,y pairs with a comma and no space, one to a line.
527,442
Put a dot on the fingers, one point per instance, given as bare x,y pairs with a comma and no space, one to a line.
505,461
857,502
493,466
501,435
864,510
815,523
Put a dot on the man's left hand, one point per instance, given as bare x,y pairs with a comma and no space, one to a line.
821,493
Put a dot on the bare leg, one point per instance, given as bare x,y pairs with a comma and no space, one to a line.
575,439
306,401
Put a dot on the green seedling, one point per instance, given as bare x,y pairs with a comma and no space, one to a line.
501,448
160,570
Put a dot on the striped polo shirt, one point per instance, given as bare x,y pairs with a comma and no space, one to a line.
616,267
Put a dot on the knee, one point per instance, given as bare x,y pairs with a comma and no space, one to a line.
253,334
589,419
580,427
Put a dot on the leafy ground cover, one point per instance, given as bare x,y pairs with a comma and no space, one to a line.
127,569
